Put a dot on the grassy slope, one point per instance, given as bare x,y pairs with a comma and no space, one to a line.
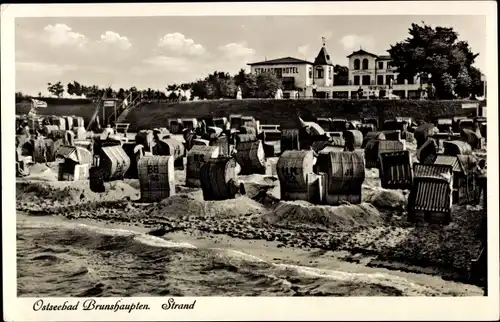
284,112
268,111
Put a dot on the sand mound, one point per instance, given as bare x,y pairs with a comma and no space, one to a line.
189,205
241,206
291,214
40,195
385,199
177,206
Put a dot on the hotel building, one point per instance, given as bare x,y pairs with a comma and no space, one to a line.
371,73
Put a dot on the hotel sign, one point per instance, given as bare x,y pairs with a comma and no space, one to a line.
277,70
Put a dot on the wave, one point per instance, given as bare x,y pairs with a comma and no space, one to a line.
87,260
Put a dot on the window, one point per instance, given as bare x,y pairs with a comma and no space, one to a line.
310,72
366,79
380,65
380,79
330,73
356,80
356,64
388,79
319,72
365,63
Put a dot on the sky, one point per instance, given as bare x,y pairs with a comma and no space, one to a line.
153,52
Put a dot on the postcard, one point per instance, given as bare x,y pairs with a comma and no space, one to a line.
250,161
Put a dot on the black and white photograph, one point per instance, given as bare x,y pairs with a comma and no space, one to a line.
306,155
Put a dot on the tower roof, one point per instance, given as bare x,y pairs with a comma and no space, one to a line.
323,58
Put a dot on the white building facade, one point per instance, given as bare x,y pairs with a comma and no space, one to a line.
295,74
369,74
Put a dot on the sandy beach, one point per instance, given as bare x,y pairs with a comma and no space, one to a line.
366,249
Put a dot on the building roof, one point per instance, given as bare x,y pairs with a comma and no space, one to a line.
323,58
361,52
364,52
284,60
384,57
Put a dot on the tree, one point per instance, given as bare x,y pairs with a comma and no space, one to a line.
173,96
463,87
267,85
56,89
71,89
172,88
477,85
199,89
435,52
247,83
121,94
447,83
77,88
185,88
341,75
109,92
20,97
227,88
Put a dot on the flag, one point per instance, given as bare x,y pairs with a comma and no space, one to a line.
37,103
32,112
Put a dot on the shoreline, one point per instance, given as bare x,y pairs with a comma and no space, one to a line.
273,252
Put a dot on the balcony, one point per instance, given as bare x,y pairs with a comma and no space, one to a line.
352,88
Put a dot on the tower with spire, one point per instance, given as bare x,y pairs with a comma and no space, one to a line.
323,67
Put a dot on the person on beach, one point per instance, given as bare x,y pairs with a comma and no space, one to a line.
314,89
449,130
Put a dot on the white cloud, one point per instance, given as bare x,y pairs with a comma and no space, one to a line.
305,52
355,42
33,67
45,68
236,50
61,35
177,43
113,38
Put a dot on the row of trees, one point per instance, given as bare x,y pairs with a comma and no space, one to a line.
94,91
222,85
215,86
